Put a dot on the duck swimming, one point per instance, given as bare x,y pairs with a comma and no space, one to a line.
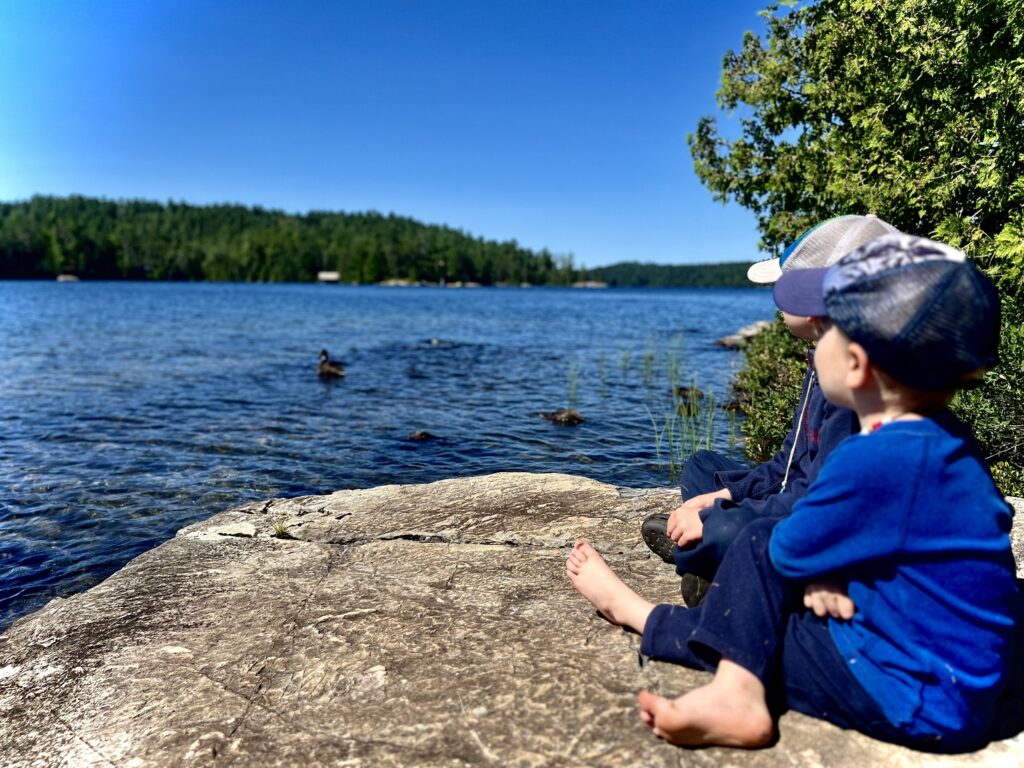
329,369
567,417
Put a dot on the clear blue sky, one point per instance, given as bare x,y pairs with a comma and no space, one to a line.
561,124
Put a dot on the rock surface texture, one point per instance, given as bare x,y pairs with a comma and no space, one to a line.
422,625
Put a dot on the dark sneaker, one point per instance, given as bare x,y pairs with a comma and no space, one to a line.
693,589
653,531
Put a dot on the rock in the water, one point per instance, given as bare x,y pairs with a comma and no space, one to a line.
564,416
421,436
418,625
688,393
743,335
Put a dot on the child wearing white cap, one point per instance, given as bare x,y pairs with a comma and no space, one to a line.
721,496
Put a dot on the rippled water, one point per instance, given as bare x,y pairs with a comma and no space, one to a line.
129,410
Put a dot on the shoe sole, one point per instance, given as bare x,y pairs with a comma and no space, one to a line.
693,589
653,532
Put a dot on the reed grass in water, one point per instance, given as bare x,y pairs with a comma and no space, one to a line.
687,427
573,381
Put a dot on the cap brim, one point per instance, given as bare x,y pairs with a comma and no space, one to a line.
799,292
764,272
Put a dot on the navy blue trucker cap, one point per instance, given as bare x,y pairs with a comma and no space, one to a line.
924,313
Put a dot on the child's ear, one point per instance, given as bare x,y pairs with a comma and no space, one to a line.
858,366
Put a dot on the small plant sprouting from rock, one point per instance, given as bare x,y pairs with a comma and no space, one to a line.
281,529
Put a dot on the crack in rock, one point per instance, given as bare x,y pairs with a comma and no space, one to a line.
282,639
60,721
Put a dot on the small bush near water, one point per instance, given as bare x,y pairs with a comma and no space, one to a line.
767,389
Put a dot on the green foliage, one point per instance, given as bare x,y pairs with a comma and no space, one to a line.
768,388
995,411
103,239
910,109
632,274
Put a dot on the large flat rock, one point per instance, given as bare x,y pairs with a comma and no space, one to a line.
404,625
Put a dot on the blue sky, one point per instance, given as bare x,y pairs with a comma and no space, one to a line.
560,124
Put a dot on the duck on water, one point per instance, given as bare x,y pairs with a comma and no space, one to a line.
329,369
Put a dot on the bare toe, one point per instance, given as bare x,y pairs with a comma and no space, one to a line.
712,714
593,579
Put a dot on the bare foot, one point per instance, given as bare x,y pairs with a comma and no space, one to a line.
592,577
729,711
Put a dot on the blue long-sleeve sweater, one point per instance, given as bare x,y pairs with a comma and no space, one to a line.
909,518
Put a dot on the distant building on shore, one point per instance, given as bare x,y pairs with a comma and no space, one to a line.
590,284
328,277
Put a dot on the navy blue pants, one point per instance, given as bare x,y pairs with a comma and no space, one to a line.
721,526
755,618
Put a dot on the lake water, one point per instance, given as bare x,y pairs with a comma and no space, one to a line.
128,410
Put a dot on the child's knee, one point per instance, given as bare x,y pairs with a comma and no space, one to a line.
703,461
698,473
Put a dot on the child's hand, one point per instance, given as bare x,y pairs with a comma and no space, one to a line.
684,523
827,598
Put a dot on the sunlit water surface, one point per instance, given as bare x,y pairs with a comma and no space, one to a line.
129,410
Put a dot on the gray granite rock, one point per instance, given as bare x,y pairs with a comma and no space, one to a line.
404,625
743,336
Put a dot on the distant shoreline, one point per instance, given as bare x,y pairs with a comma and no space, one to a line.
98,239
383,284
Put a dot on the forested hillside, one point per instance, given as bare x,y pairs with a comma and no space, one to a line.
631,274
135,239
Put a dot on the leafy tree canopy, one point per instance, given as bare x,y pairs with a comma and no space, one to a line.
910,109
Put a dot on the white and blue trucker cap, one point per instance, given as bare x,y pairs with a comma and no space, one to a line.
821,246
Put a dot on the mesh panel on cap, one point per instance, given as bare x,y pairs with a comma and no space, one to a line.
832,239
868,228
813,248
884,305
958,325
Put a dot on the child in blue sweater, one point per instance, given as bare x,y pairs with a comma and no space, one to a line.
720,495
887,600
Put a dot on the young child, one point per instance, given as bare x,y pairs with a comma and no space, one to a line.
721,496
900,549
